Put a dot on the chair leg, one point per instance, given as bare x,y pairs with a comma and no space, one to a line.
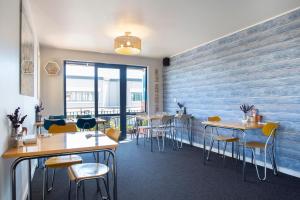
83,190
224,150
44,182
70,186
265,166
52,182
232,149
137,137
218,147
163,142
76,191
157,137
274,161
106,188
210,148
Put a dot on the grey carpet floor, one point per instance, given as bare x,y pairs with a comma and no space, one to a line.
178,175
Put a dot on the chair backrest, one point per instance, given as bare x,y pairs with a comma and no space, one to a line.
269,128
86,123
48,123
62,129
214,119
113,134
56,117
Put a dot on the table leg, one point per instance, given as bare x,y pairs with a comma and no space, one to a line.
204,145
244,156
29,180
151,140
191,133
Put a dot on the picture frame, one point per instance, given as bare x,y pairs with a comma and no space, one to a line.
27,54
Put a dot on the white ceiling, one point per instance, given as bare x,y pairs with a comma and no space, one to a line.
166,27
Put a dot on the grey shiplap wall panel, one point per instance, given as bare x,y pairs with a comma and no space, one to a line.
259,65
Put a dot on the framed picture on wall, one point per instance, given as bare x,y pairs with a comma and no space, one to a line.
27,51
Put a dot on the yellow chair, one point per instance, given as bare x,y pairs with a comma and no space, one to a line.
268,130
113,134
221,138
59,161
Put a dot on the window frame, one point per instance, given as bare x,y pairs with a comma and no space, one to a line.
97,65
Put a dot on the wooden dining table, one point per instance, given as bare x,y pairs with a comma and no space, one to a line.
239,126
62,144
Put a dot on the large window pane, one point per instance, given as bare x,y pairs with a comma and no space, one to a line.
108,91
80,93
136,90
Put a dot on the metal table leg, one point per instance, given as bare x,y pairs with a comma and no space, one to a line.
204,145
29,180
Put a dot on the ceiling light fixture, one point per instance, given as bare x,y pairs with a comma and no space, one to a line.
127,44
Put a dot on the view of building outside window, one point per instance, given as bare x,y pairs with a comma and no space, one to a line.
80,93
80,90
108,91
136,84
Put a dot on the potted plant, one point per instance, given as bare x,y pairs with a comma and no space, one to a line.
38,112
16,123
245,108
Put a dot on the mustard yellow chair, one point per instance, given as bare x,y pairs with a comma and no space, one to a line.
59,161
221,138
268,130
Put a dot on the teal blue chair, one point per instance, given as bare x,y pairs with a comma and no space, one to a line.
86,123
50,122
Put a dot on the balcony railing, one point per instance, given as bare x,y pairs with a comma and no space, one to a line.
74,112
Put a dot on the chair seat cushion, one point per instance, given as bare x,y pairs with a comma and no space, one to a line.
87,171
254,144
63,161
226,138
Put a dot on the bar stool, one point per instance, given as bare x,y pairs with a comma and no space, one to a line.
88,171
222,138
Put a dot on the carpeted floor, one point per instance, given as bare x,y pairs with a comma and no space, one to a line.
178,175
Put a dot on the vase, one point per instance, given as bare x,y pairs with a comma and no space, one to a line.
38,117
14,137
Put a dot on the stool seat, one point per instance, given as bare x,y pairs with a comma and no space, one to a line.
226,138
86,171
254,144
63,161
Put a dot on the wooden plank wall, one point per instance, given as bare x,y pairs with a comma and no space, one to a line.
259,65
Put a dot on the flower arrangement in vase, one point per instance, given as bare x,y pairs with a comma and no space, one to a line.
16,122
38,110
245,108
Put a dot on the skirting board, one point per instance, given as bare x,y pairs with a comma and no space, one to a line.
260,163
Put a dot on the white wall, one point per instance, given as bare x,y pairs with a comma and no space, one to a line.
52,92
10,95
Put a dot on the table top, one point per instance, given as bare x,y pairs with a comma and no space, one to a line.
63,143
71,121
234,125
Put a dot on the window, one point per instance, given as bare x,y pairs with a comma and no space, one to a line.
136,89
94,88
80,93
